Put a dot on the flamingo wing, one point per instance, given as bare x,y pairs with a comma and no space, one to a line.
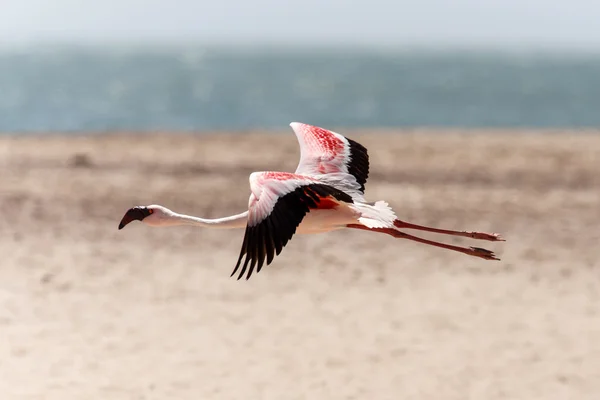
277,205
323,152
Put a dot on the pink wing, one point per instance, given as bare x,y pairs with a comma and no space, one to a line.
325,152
277,205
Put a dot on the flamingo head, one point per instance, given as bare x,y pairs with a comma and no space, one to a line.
153,215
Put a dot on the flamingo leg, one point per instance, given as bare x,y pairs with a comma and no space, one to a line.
474,235
471,251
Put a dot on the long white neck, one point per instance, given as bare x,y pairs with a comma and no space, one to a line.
233,221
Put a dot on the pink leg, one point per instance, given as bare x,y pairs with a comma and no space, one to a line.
471,251
474,235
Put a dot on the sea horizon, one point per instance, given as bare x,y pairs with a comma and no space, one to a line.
73,88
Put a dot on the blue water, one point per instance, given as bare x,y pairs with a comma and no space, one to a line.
96,89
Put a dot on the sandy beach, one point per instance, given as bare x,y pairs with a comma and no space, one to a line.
91,312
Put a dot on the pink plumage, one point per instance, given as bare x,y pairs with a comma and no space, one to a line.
324,152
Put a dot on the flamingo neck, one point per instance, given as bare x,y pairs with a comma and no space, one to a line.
233,221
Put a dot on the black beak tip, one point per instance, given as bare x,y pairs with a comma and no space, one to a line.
134,214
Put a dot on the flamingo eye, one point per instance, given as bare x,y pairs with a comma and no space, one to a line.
151,211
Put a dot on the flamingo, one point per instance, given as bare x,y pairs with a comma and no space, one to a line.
325,193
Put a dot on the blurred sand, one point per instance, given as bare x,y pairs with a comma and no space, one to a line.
90,312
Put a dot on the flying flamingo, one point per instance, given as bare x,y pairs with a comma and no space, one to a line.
325,193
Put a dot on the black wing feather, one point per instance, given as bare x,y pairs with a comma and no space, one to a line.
269,243
358,166
271,234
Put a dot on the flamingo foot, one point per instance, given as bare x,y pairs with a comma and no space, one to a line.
492,237
482,253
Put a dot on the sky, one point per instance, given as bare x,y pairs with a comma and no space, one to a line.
464,23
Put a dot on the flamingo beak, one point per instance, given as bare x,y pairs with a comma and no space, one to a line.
134,214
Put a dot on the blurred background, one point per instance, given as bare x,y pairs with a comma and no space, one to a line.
477,115
200,65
